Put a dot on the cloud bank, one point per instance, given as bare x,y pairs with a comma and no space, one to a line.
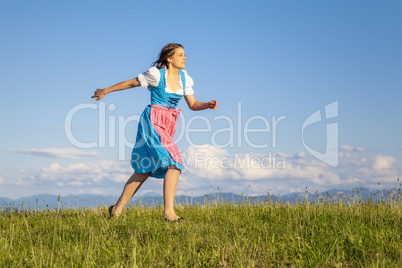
69,153
208,168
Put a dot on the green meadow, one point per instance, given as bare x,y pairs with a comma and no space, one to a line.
319,233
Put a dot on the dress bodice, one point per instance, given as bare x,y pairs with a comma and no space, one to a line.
162,98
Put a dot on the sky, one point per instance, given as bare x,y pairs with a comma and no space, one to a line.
309,94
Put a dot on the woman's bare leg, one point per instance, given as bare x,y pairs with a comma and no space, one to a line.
169,192
131,187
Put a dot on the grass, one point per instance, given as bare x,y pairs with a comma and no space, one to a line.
266,234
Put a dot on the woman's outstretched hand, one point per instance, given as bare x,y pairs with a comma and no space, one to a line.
213,104
99,94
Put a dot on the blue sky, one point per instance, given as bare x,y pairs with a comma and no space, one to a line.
263,60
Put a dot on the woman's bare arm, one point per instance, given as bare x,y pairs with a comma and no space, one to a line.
100,93
195,105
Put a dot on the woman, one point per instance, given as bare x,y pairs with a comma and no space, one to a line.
154,153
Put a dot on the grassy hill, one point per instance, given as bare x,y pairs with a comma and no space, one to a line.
218,234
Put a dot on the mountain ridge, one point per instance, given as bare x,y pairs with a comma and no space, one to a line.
48,201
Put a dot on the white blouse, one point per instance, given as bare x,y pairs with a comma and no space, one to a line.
152,76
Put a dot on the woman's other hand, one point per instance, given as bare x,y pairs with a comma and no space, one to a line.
99,94
213,104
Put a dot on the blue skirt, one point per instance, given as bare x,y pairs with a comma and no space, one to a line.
154,150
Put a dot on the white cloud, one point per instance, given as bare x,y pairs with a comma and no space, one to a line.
118,171
27,181
353,180
2,182
353,149
367,171
383,162
300,170
70,153
216,164
209,163
98,191
75,183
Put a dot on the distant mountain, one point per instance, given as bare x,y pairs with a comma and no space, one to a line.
46,201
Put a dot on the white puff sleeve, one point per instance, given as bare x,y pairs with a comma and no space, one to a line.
151,77
188,90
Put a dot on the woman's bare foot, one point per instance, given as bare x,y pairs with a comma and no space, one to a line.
113,212
171,217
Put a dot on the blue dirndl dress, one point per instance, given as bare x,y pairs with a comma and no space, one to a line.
154,150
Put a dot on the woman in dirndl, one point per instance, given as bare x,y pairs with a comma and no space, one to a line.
154,153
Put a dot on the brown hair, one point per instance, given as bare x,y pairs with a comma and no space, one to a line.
167,52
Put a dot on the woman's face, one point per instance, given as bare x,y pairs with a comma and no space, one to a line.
178,60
